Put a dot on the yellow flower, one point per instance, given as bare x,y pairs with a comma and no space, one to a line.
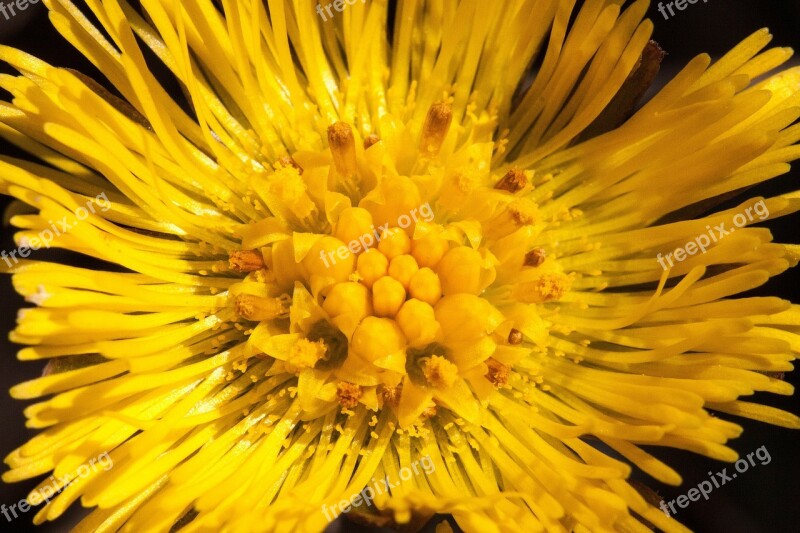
350,254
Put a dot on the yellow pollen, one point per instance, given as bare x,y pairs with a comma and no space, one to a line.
439,372
287,184
544,289
306,354
348,394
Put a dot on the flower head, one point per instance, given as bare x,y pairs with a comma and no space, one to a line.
343,253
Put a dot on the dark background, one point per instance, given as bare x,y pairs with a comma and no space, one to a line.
764,499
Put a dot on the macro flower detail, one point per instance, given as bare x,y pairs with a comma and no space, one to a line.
347,245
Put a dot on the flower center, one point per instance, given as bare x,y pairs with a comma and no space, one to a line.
392,300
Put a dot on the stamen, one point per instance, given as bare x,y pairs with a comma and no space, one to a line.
336,345
514,181
498,372
343,148
429,412
439,372
371,140
437,124
306,354
547,288
391,395
348,394
523,213
258,309
514,337
246,261
288,161
428,363
535,257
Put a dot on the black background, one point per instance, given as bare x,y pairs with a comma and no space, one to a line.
764,499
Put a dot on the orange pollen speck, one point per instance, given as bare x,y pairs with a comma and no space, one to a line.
348,394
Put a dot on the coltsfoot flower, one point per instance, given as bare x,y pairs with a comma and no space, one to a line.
350,245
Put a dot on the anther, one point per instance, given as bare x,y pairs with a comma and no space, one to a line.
498,372
547,288
514,181
429,412
391,395
371,140
514,337
288,161
535,257
439,372
435,129
343,148
246,261
257,309
348,394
